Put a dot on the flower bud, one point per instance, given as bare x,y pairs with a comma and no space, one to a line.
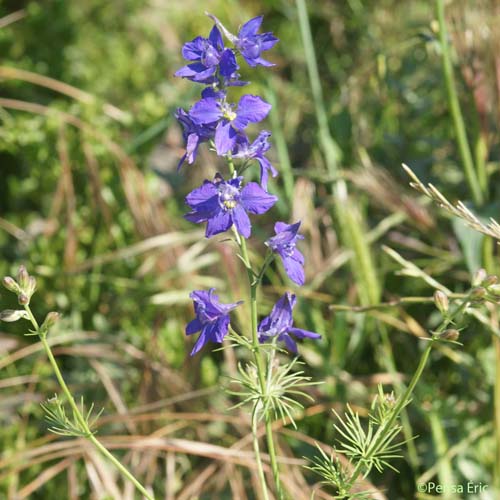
23,299
10,284
50,320
478,293
450,334
390,399
478,277
31,286
11,315
490,280
494,289
441,301
23,277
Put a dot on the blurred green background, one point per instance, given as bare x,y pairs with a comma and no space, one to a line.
91,203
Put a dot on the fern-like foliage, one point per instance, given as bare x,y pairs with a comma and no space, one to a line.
62,424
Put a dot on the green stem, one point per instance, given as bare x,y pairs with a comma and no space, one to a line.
256,449
403,401
254,283
456,113
77,413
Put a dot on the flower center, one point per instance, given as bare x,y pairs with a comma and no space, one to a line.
275,330
210,56
203,314
252,47
228,113
228,196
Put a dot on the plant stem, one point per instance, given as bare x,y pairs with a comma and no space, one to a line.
254,282
256,449
261,371
456,113
77,413
405,398
402,402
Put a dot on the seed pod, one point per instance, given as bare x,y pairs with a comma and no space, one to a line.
10,284
441,301
490,280
450,334
11,315
478,277
23,299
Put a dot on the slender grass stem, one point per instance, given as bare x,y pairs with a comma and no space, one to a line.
458,121
78,414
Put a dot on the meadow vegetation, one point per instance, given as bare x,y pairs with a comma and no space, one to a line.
92,204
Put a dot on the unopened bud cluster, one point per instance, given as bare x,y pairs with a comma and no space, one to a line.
486,287
24,287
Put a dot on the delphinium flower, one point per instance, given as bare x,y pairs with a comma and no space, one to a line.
284,244
279,324
223,203
255,151
229,121
212,318
250,43
194,134
205,55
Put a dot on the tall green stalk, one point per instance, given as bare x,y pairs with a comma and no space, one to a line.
254,281
88,434
458,121
478,184
350,220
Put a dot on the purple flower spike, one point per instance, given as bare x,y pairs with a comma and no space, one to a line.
212,318
193,134
223,203
256,151
250,109
284,245
280,324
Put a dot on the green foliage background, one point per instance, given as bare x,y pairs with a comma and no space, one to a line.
91,203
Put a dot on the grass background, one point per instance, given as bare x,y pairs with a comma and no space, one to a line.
91,202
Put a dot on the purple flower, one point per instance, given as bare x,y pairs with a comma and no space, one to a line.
251,45
284,245
223,203
249,42
209,55
206,54
250,109
212,318
194,134
256,151
280,324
